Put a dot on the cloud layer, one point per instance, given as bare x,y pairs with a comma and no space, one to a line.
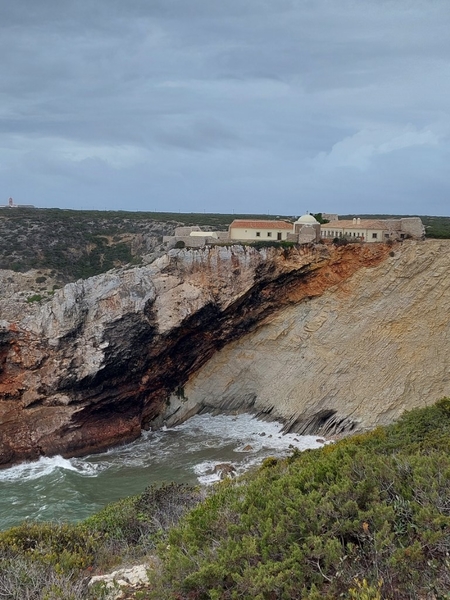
277,106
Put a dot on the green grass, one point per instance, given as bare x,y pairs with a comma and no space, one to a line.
34,298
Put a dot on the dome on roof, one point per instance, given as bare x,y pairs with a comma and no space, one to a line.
307,220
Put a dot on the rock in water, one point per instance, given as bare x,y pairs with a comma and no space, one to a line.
224,470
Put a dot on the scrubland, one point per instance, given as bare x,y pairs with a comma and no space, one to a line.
367,517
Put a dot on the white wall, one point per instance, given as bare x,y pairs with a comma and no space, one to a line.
366,234
238,233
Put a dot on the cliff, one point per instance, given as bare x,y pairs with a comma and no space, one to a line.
357,356
325,338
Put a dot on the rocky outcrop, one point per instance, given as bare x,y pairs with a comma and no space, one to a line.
323,337
123,582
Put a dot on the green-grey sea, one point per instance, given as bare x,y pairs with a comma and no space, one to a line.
72,489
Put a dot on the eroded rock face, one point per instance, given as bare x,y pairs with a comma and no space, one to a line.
359,355
225,328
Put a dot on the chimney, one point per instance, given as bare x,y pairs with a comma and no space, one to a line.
358,221
354,220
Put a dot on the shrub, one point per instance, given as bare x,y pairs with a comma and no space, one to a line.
308,527
132,526
363,519
340,241
67,547
365,591
22,578
34,298
272,244
162,507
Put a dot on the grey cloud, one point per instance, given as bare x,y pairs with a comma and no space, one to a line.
281,103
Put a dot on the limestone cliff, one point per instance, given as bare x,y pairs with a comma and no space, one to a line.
366,350
319,336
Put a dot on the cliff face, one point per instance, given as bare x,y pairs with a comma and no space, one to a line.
321,337
359,355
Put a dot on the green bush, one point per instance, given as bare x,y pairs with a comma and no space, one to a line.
307,527
35,298
132,526
259,244
340,241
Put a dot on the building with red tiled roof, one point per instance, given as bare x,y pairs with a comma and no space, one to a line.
259,229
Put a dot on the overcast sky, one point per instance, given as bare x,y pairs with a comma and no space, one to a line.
279,106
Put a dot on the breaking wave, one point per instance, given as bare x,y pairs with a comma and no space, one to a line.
71,489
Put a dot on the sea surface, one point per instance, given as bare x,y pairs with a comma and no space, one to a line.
72,489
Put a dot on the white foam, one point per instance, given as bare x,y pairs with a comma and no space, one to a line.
247,430
256,441
203,433
206,474
36,469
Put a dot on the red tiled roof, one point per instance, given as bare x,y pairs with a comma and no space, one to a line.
250,224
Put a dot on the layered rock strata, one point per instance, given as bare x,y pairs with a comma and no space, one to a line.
325,338
362,353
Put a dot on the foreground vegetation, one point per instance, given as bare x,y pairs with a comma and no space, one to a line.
365,518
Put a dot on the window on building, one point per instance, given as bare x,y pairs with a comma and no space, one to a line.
279,236
269,234
374,236
258,234
386,235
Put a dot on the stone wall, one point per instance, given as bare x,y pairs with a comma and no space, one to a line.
413,227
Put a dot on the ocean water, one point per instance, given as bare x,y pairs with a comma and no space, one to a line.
72,489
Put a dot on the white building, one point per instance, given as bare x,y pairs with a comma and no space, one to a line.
254,230
374,230
366,230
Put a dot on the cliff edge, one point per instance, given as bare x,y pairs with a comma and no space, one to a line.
325,338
